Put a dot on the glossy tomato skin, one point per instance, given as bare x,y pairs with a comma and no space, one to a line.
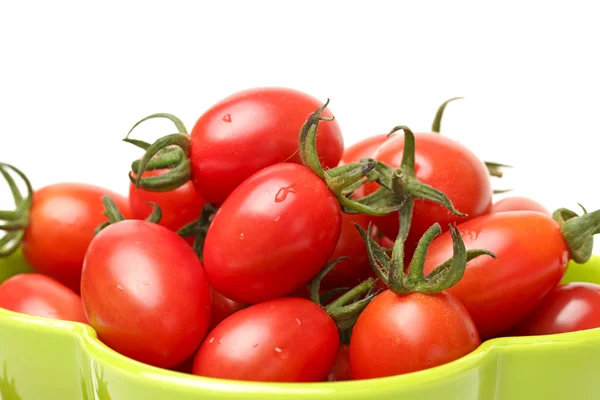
251,130
222,307
41,296
341,369
352,271
568,308
62,221
179,206
398,334
145,292
282,340
446,165
531,260
519,203
272,235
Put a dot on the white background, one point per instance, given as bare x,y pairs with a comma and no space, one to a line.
74,77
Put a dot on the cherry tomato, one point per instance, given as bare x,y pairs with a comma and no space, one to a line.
398,334
145,293
222,307
62,220
518,203
41,296
251,130
282,340
447,166
179,206
272,235
568,308
341,369
531,260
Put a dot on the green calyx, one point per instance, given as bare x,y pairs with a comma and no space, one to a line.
346,309
114,215
578,231
437,121
391,269
14,222
198,229
169,152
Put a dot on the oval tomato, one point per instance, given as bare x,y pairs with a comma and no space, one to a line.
341,368
447,166
251,130
62,221
531,260
518,203
41,296
398,334
145,293
179,206
272,235
222,307
568,308
282,340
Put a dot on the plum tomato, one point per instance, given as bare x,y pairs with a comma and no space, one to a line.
222,307
145,293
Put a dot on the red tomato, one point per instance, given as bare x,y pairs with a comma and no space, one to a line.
222,307
282,340
450,168
364,148
145,292
532,257
272,235
517,203
251,130
568,308
352,271
341,369
41,296
179,206
62,221
398,334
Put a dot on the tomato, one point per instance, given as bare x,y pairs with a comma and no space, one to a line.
12,265
272,235
253,129
62,220
179,206
398,334
145,293
532,257
41,296
222,307
447,166
362,149
568,308
341,369
518,203
281,340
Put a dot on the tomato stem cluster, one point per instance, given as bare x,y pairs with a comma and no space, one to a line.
14,222
198,229
578,231
114,215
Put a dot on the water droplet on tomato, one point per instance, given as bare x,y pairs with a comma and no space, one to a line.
282,353
298,321
277,218
283,193
242,236
227,118
255,345
221,341
120,287
212,339
469,234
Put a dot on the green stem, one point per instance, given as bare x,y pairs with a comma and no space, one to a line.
15,222
308,141
170,159
176,121
578,232
198,229
437,121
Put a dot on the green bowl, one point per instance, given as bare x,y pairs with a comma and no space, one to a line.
49,359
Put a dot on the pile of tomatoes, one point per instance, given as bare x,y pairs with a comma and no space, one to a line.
257,247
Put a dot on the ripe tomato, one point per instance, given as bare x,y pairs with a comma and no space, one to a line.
222,307
41,296
532,256
62,220
282,340
398,334
145,292
272,235
568,308
447,166
518,203
341,369
251,130
179,206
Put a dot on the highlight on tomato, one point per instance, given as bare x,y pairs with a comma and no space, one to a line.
54,225
519,203
533,251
